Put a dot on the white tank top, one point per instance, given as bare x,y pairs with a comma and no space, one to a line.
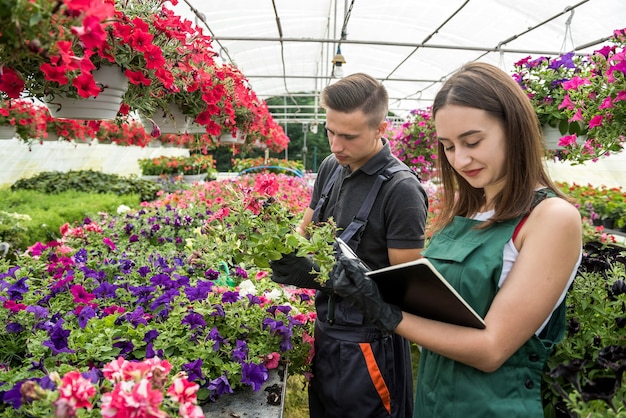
509,255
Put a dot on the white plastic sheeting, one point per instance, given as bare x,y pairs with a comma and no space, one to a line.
286,46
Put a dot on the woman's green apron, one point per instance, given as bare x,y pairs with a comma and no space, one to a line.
471,260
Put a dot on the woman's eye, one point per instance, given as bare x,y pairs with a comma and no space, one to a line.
472,145
448,149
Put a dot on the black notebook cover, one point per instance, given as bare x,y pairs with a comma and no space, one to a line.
418,288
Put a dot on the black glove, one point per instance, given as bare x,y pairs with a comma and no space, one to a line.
359,291
296,271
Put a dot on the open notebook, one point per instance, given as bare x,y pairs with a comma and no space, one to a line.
418,288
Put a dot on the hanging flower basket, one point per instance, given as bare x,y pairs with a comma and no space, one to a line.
104,106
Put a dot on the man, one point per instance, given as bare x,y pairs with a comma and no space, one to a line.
380,208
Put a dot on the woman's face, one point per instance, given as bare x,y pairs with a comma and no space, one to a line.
474,145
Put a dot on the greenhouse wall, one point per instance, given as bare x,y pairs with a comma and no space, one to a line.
20,161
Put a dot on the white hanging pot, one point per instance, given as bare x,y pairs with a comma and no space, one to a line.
171,122
551,137
104,106
228,138
7,132
194,128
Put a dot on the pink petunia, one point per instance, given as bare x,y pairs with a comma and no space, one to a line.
596,121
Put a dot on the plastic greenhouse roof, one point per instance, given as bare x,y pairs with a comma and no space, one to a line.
286,47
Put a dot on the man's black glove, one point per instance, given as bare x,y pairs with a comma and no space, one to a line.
359,291
296,271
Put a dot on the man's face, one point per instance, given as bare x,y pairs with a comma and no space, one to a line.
351,138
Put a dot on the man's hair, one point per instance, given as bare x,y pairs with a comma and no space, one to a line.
358,92
484,86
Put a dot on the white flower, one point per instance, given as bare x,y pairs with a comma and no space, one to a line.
122,209
274,294
246,287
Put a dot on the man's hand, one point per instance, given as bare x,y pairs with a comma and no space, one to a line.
359,291
296,271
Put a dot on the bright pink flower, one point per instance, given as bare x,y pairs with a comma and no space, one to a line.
577,116
36,249
189,410
575,83
183,391
566,103
110,310
81,295
607,103
596,121
567,140
13,306
76,390
108,242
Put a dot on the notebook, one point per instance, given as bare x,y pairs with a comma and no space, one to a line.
418,288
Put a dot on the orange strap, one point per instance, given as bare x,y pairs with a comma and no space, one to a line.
377,377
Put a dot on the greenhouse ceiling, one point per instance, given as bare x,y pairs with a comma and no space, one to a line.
287,47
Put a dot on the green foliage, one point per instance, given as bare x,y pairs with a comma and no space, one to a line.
586,368
88,181
34,209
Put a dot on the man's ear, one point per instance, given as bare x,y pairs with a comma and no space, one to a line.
382,128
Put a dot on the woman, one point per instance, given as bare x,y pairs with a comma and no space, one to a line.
506,239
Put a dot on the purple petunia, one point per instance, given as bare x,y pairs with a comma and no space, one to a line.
240,353
230,297
17,290
219,387
150,335
216,337
38,311
194,320
194,370
85,315
254,375
58,339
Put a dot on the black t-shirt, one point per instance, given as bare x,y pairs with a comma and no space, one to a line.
398,217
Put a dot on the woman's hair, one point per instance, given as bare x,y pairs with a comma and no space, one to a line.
358,92
484,86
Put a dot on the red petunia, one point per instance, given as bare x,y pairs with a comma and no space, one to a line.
86,85
10,83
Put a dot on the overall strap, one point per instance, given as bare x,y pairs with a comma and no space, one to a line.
360,220
325,192
540,195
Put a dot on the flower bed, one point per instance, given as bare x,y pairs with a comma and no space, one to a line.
177,165
144,285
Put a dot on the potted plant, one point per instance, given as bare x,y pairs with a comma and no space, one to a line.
542,79
54,50
597,101
197,165
22,119
415,143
